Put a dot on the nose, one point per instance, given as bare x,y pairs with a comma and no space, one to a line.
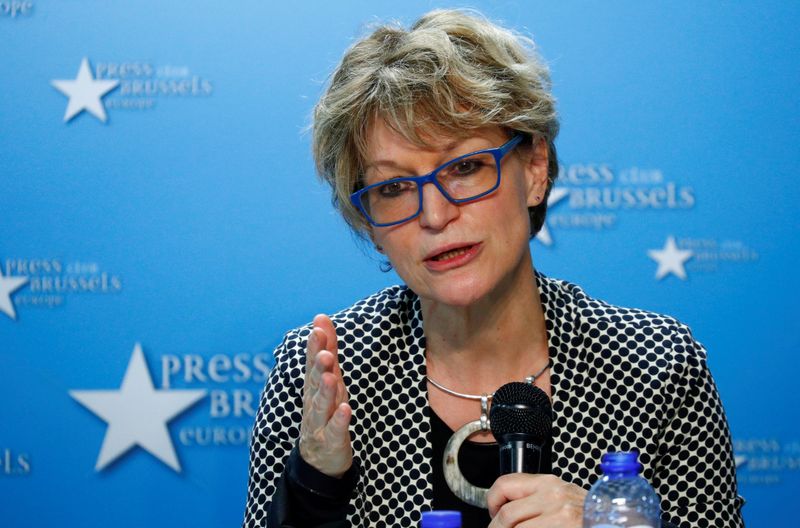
437,210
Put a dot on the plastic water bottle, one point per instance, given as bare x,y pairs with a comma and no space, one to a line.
441,519
621,498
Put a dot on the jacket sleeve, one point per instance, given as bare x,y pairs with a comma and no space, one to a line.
307,497
276,430
695,474
283,490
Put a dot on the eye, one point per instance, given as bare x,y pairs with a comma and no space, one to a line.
466,167
393,189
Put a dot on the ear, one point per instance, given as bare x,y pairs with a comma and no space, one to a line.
536,172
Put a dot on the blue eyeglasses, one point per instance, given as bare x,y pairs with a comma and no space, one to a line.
461,180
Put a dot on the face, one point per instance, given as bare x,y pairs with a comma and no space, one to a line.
459,254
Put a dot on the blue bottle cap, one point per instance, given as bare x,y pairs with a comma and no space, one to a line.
621,462
441,519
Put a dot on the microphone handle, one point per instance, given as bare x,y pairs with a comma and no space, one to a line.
520,456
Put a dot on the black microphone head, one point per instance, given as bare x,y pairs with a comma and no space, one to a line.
521,409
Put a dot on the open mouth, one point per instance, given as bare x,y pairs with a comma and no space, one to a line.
452,253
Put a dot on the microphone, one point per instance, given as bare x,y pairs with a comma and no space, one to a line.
521,419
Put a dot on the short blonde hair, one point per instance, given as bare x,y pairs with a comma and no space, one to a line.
452,72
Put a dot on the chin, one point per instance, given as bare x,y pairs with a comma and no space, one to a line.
461,294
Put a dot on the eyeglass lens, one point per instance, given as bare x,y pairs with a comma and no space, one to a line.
399,199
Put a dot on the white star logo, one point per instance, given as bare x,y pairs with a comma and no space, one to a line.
9,285
739,460
85,93
137,414
670,259
556,194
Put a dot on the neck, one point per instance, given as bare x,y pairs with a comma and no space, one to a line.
501,337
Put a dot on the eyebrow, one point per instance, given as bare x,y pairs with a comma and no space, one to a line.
447,147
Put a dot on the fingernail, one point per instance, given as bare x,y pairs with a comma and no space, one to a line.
312,338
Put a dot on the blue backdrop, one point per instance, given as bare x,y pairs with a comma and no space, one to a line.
162,226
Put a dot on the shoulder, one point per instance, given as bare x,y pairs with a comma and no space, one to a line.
626,355
611,332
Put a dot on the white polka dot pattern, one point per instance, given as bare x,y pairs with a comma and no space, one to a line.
622,379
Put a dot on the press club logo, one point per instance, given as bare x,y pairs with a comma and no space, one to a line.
595,196
681,255
221,390
14,463
766,461
233,382
8,285
16,8
85,93
137,414
127,85
49,282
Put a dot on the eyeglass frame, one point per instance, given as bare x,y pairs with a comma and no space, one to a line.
497,152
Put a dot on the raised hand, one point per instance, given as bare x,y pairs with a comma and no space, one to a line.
324,436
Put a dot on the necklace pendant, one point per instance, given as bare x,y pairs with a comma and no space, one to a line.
458,484
485,412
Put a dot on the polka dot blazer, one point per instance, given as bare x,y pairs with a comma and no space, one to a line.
622,379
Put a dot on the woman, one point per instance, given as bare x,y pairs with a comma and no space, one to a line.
438,143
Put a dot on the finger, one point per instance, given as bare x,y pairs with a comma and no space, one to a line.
511,487
515,512
537,511
321,338
322,404
324,323
337,430
323,363
314,375
341,391
316,342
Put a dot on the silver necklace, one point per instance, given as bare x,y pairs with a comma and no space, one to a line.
528,379
459,485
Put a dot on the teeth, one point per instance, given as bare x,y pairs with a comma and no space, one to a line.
450,254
